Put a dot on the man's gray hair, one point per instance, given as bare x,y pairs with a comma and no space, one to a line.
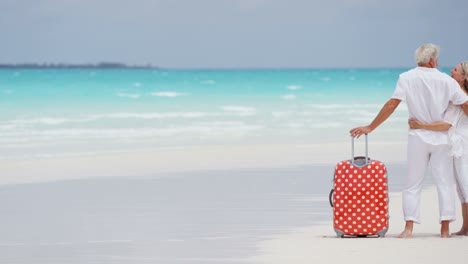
425,52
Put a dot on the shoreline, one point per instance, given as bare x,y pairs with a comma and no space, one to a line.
197,158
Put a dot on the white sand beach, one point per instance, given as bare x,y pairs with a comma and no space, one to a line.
224,204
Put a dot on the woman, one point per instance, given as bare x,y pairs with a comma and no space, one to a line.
456,122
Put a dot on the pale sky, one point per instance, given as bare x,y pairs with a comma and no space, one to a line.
232,33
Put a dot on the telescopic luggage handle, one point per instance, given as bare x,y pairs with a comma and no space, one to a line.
359,161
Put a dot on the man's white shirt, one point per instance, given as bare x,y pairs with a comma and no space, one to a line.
427,93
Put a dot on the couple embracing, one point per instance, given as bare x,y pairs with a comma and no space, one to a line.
438,136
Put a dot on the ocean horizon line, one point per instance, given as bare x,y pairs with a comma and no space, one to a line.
118,66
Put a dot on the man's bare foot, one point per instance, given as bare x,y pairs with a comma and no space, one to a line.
405,234
408,231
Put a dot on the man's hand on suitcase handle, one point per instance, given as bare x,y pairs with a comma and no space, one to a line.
359,131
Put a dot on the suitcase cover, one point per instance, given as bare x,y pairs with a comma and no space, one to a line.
360,199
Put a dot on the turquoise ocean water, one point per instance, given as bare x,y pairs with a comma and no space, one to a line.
47,113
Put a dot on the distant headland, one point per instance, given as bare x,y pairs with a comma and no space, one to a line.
101,65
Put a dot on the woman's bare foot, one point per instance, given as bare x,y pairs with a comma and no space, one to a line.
462,232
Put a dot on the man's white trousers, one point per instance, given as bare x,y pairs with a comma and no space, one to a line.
422,156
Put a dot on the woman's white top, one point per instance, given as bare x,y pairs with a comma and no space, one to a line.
458,133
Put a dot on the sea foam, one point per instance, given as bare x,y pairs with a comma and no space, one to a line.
208,82
157,115
294,87
133,96
43,120
344,106
289,97
167,94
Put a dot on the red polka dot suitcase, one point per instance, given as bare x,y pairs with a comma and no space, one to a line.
360,197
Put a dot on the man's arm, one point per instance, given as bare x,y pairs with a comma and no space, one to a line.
387,110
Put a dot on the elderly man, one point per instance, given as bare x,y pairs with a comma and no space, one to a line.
427,93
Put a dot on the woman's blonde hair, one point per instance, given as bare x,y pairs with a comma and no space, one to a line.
464,68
